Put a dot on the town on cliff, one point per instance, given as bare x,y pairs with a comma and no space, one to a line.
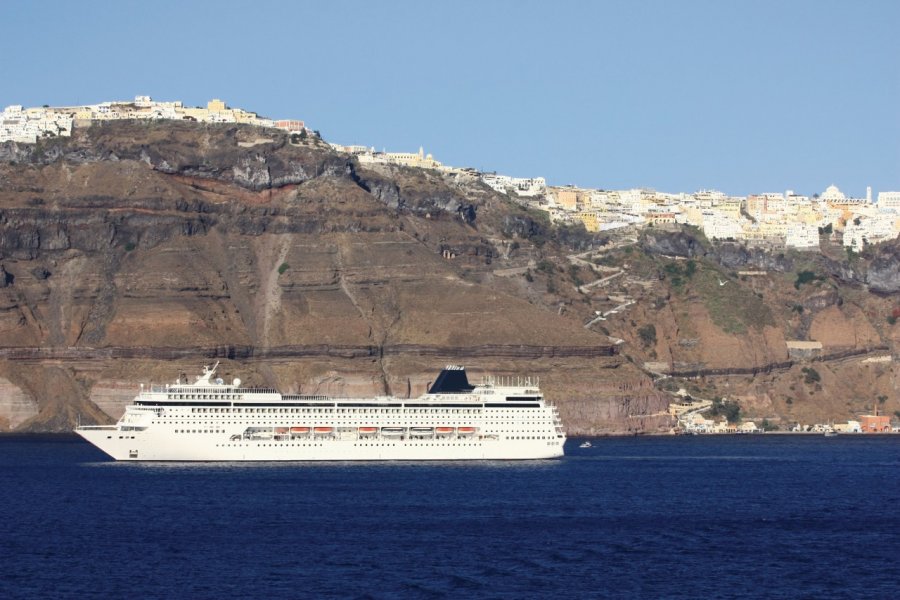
769,220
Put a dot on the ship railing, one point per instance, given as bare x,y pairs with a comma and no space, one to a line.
511,381
204,389
304,397
96,427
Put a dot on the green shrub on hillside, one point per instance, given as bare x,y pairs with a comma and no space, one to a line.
811,375
725,408
647,333
804,277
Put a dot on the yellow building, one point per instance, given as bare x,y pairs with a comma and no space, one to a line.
808,214
660,217
773,228
243,116
693,216
732,208
590,220
567,199
197,114
756,204
216,105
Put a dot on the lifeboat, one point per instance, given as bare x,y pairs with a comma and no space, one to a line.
393,431
421,430
465,430
299,429
444,430
281,430
323,429
368,430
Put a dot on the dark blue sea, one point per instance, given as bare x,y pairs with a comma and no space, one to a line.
689,517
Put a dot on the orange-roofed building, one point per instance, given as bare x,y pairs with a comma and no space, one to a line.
875,423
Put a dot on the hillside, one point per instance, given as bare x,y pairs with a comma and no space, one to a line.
137,251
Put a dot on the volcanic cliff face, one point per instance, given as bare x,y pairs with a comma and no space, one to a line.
138,251
134,252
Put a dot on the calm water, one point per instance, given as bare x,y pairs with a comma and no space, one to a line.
697,517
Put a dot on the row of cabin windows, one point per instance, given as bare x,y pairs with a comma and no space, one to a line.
205,397
516,422
484,424
384,444
199,431
383,411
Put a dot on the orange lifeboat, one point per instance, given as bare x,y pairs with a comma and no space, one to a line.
465,430
368,430
323,429
444,430
299,429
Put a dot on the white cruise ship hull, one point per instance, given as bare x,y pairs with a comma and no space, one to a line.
212,421
147,446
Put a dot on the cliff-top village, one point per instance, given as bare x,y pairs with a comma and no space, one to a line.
775,220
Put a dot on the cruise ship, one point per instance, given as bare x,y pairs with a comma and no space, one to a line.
211,420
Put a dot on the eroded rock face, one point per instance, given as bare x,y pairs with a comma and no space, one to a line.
843,271
136,252
6,279
822,300
113,396
883,275
522,226
733,256
737,256
670,243
629,406
15,406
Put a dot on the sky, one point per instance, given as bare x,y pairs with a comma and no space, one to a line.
677,96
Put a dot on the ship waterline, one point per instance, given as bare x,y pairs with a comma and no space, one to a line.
209,420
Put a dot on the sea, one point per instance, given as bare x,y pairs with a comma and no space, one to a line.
757,516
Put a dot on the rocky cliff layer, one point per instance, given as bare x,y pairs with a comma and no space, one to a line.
137,251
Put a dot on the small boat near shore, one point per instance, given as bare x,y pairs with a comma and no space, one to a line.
586,444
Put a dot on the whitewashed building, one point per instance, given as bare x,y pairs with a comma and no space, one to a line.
718,226
864,230
889,201
802,236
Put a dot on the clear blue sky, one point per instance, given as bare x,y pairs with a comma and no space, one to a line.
674,95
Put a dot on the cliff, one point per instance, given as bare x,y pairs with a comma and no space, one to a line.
137,251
